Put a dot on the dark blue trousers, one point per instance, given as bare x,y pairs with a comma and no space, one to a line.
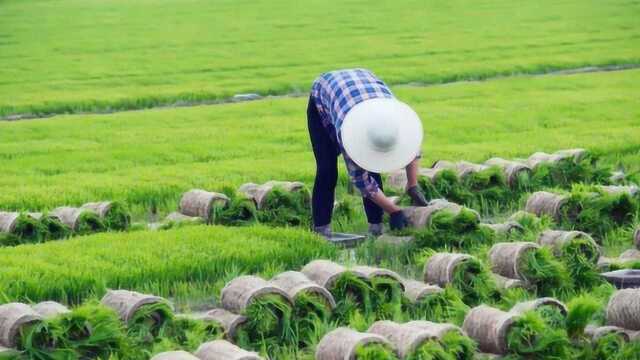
326,152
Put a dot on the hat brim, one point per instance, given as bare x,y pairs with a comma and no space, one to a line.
357,146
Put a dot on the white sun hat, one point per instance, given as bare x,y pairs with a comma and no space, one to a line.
382,134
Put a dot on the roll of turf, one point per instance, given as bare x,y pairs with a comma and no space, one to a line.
113,214
344,343
268,310
55,229
351,290
312,303
461,271
224,350
17,228
145,315
202,204
80,221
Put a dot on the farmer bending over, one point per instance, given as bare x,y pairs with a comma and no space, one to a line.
353,113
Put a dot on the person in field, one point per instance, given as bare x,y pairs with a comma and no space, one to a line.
353,113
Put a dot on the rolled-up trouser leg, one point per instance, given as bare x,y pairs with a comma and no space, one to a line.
326,154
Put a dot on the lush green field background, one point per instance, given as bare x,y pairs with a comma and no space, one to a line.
148,158
73,55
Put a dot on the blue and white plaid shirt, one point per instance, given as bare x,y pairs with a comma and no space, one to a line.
337,92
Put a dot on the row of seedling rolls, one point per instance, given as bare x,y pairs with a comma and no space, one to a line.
277,203
29,227
498,180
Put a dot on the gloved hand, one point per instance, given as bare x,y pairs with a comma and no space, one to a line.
417,197
398,221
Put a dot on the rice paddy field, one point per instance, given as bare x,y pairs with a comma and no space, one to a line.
111,111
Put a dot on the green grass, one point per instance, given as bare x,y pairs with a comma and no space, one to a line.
70,56
172,262
148,159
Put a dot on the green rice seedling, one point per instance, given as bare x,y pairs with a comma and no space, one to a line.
609,346
473,281
88,223
386,297
186,334
55,229
552,316
529,335
239,211
602,212
148,322
309,312
345,211
461,347
565,173
488,186
283,208
26,230
430,350
118,217
581,311
445,185
40,341
441,307
446,229
91,330
352,294
375,351
540,268
269,321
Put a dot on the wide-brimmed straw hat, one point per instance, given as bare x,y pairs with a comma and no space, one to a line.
382,134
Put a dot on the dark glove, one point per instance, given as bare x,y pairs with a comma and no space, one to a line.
398,221
417,198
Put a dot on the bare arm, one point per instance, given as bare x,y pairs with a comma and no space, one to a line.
412,173
383,201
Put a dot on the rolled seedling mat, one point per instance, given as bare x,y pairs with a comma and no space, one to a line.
416,291
55,229
465,168
452,338
506,228
259,193
21,226
631,190
543,158
229,321
536,304
440,267
174,355
240,292
507,258
113,214
387,286
343,344
505,283
404,337
597,332
130,305
512,170
202,204
562,242
80,221
576,154
420,216
547,203
623,309
13,317
630,255
50,309
489,328
296,283
224,350
325,272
